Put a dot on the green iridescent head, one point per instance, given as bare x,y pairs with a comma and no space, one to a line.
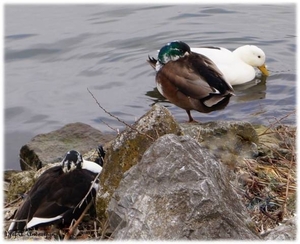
173,51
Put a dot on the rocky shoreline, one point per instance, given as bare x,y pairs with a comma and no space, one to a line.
162,180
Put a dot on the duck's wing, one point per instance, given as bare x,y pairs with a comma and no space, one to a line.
64,198
33,198
197,77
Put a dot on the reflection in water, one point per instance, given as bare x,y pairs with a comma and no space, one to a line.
155,96
251,91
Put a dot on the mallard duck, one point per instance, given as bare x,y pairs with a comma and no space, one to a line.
238,67
190,80
60,194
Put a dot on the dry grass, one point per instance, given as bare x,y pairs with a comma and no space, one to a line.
269,181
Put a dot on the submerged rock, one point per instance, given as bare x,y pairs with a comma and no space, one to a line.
51,147
178,191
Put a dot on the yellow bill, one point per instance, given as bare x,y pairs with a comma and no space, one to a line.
264,70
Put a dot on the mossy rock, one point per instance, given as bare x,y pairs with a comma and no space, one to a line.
230,142
20,183
128,148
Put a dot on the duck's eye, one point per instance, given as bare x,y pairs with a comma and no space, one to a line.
258,56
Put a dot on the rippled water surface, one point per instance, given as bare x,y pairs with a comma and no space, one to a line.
53,53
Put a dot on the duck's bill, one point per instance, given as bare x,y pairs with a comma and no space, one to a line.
264,70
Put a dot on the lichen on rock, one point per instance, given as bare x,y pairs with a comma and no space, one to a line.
129,146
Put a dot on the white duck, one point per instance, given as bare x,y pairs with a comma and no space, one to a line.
238,67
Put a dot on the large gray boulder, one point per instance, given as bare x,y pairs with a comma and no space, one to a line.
128,148
178,191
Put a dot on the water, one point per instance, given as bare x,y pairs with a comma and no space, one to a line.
53,53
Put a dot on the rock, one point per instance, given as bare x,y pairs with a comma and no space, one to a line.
19,183
128,148
51,147
178,191
283,232
228,141
276,141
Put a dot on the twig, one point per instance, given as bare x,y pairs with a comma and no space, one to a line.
287,189
115,117
95,229
12,202
91,187
116,130
70,232
276,122
31,168
72,228
269,216
104,230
